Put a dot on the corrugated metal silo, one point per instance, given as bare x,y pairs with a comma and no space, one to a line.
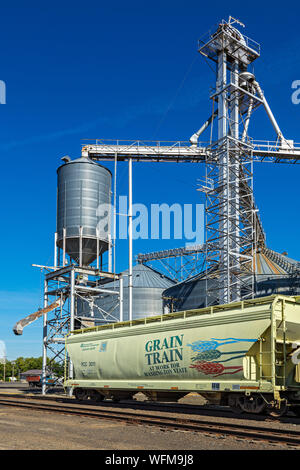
83,185
275,273
148,286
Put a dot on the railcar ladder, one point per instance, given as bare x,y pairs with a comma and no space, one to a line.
276,353
280,349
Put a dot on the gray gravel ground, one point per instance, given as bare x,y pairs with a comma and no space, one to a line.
22,429
27,429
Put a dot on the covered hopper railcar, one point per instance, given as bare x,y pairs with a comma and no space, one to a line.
243,354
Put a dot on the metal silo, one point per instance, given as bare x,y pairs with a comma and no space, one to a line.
83,209
148,286
275,273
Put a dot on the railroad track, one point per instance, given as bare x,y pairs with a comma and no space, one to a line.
155,406
168,407
214,428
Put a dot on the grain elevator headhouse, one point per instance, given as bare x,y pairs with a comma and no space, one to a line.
230,237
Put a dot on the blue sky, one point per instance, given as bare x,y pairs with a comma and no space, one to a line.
127,70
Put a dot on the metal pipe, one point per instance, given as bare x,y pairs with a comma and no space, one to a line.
55,250
20,325
115,211
221,89
247,120
268,111
224,177
234,226
64,246
121,297
44,339
109,254
195,137
72,318
97,235
97,290
130,238
80,245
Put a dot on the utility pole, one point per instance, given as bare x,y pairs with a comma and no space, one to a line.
13,369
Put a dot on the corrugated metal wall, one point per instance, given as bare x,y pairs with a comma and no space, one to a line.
275,274
82,187
148,286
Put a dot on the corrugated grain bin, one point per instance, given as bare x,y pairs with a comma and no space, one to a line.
148,286
275,273
83,187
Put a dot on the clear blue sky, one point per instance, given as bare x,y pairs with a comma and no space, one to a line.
124,70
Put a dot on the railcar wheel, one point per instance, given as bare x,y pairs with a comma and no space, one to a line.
80,394
252,404
96,396
247,404
114,397
234,404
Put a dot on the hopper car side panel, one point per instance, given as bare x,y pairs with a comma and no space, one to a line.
243,347
191,354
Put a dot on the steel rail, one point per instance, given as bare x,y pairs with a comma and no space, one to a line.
167,407
290,437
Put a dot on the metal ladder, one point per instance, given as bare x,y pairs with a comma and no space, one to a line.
277,353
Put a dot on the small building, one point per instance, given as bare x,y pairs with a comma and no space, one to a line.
31,373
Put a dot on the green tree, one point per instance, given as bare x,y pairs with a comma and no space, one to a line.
22,364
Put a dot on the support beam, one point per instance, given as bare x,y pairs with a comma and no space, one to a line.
121,297
44,366
130,239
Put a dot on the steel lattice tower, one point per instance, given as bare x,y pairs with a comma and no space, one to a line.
234,232
230,210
